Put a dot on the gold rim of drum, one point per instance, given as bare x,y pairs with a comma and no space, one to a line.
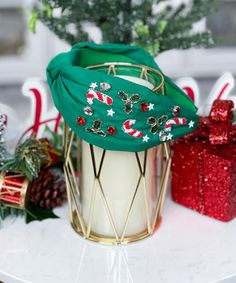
143,73
110,240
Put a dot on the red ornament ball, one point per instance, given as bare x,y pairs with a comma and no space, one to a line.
80,121
111,130
144,107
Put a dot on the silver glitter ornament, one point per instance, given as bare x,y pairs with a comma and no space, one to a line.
88,111
162,136
105,86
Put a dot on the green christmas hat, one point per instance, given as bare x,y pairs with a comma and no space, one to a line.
110,111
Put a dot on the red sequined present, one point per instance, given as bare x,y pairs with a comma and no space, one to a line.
222,111
204,166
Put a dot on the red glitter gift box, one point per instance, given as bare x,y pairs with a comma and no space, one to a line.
204,165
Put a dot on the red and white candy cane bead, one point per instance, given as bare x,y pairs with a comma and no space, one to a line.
93,94
174,121
132,132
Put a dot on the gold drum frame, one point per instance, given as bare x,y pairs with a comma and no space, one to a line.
129,207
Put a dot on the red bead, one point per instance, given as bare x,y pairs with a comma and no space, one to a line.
80,121
144,107
111,130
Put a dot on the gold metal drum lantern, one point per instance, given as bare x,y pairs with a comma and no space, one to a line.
117,197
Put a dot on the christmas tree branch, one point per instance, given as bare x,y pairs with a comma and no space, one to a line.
196,40
127,22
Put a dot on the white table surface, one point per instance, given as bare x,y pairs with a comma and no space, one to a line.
188,248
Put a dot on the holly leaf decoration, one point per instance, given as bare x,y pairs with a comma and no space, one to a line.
97,124
96,128
154,129
123,95
152,121
162,119
135,98
128,107
156,122
28,158
90,130
101,133
129,101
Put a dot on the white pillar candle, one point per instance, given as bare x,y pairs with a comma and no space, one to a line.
119,177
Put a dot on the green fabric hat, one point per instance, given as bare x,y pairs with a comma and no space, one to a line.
112,112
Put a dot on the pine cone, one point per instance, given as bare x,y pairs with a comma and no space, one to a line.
48,190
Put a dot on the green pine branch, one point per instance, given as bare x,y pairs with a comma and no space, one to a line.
28,158
127,21
196,40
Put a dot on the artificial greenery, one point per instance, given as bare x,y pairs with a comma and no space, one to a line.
3,152
154,24
28,158
30,213
5,211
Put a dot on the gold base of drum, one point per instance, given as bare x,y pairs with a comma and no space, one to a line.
111,240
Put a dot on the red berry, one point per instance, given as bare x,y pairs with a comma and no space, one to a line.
144,107
111,130
80,121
